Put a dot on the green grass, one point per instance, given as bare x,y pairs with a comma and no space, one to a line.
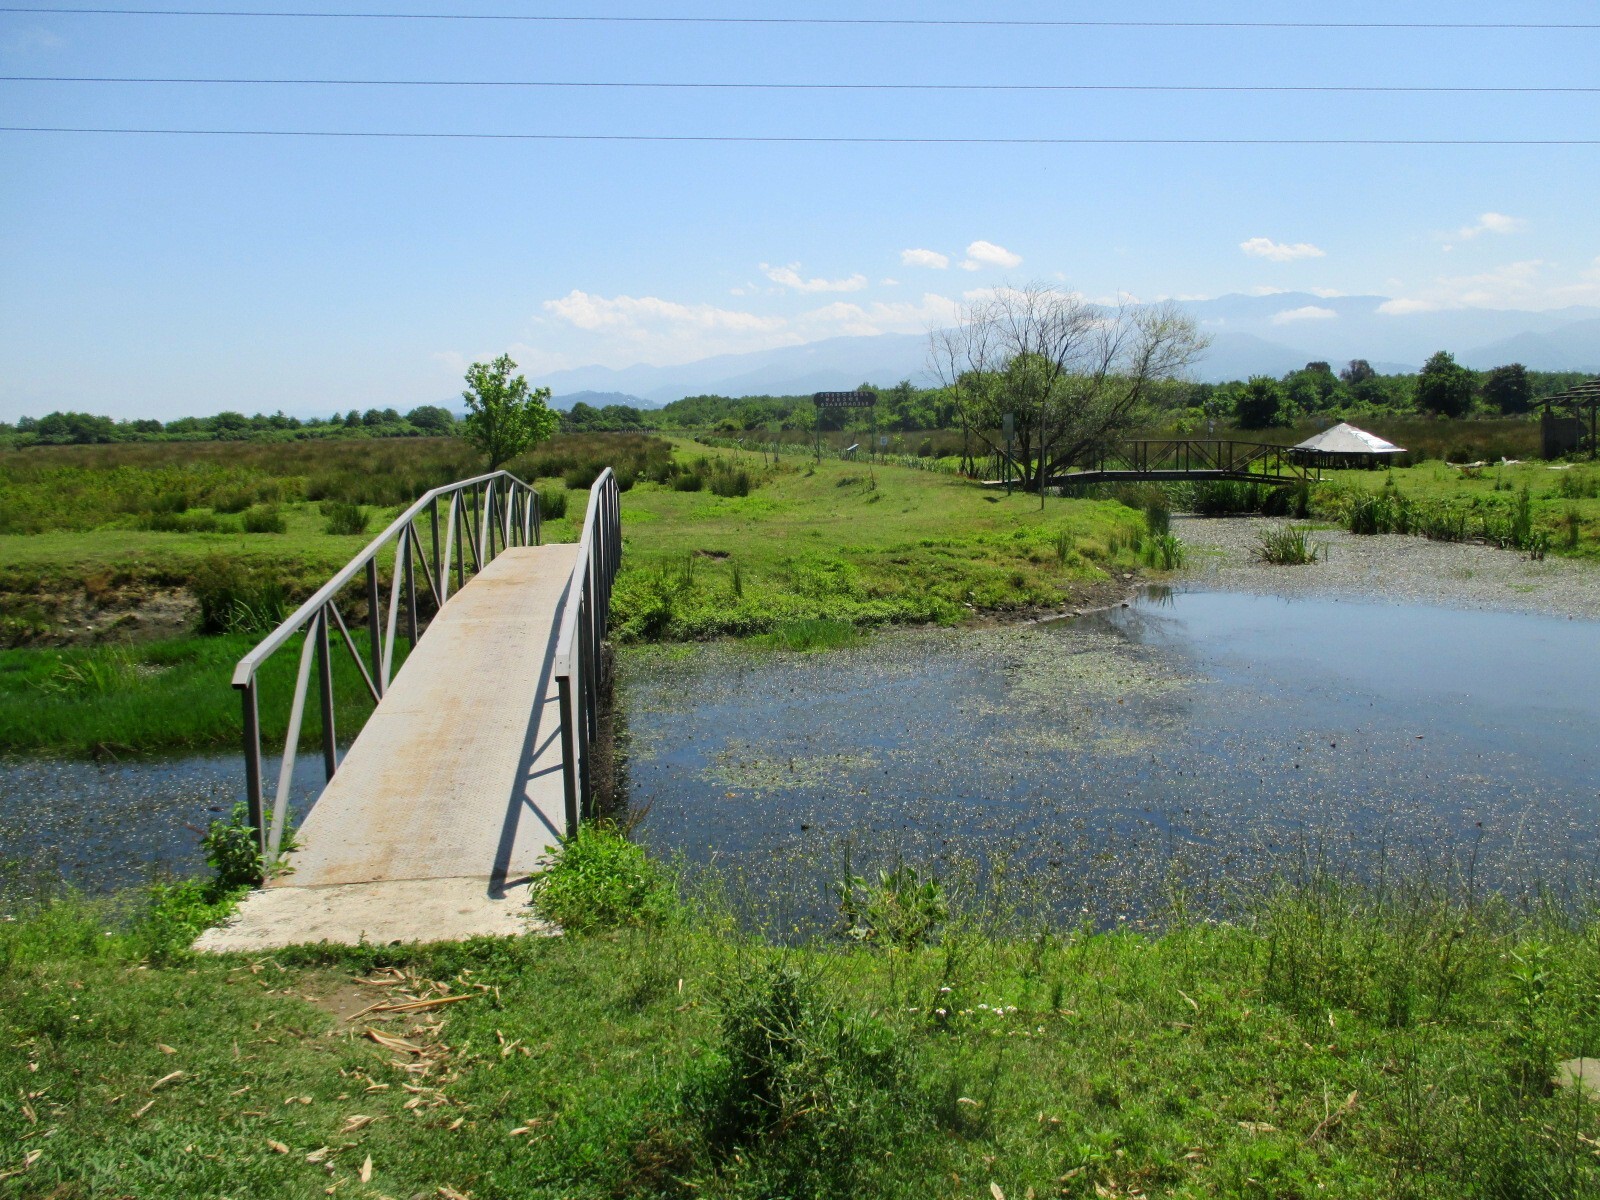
1333,1042
167,695
841,542
1564,504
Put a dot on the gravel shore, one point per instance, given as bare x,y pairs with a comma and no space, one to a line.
1406,570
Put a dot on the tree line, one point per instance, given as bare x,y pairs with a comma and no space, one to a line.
1158,398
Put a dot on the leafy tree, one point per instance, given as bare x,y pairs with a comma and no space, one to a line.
71,428
1359,370
1445,387
504,416
431,418
1260,404
1074,376
1509,389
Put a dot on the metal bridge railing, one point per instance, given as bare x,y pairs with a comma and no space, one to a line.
584,619
484,515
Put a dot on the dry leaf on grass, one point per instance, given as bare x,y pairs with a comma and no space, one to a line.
164,1048
393,1043
143,1108
994,1190
166,1079
366,1170
277,1147
1257,1127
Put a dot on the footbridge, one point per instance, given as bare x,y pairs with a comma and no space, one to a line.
1187,460
483,669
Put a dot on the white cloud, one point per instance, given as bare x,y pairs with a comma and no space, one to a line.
632,329
590,312
1491,222
1529,284
1327,293
1266,289
924,258
845,318
1406,307
789,277
1310,312
987,254
1262,247
888,283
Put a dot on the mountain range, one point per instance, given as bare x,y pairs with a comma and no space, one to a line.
1250,335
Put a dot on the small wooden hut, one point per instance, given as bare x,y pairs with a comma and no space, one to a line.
1569,421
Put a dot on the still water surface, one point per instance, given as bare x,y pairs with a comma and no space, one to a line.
1192,739
1197,740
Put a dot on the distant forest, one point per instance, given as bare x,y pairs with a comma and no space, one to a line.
1443,388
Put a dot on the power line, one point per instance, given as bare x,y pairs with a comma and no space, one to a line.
781,140
823,87
921,22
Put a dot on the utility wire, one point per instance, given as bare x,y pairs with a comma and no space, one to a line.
920,22
822,87
777,140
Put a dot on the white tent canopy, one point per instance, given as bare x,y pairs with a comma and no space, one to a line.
1347,439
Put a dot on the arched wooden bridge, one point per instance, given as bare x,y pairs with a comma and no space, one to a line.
1187,460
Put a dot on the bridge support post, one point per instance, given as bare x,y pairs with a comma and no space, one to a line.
569,770
330,740
252,763
374,624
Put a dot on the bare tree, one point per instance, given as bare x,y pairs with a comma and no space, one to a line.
1073,375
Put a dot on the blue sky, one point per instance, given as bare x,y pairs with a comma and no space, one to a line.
163,275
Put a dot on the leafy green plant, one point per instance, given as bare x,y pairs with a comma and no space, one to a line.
598,880
345,519
809,633
1163,552
1288,545
264,519
553,503
237,598
105,671
901,909
812,1086
688,481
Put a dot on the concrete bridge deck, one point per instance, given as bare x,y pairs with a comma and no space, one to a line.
452,794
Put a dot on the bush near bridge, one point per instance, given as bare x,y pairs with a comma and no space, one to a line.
1329,1041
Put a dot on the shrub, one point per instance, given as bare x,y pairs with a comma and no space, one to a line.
731,482
181,522
599,880
818,1089
582,475
345,519
552,503
688,481
265,519
1288,545
235,598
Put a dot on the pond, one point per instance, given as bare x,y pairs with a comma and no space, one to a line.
110,825
1191,743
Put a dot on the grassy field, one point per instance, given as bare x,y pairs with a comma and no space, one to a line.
1330,1043
802,553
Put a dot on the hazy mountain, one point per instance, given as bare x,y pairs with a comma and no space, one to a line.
1251,335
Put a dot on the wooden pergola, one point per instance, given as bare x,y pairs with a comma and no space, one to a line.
1570,421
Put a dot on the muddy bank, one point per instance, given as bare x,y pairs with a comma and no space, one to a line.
1389,568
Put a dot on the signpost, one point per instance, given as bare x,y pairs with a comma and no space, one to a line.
832,400
1010,423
